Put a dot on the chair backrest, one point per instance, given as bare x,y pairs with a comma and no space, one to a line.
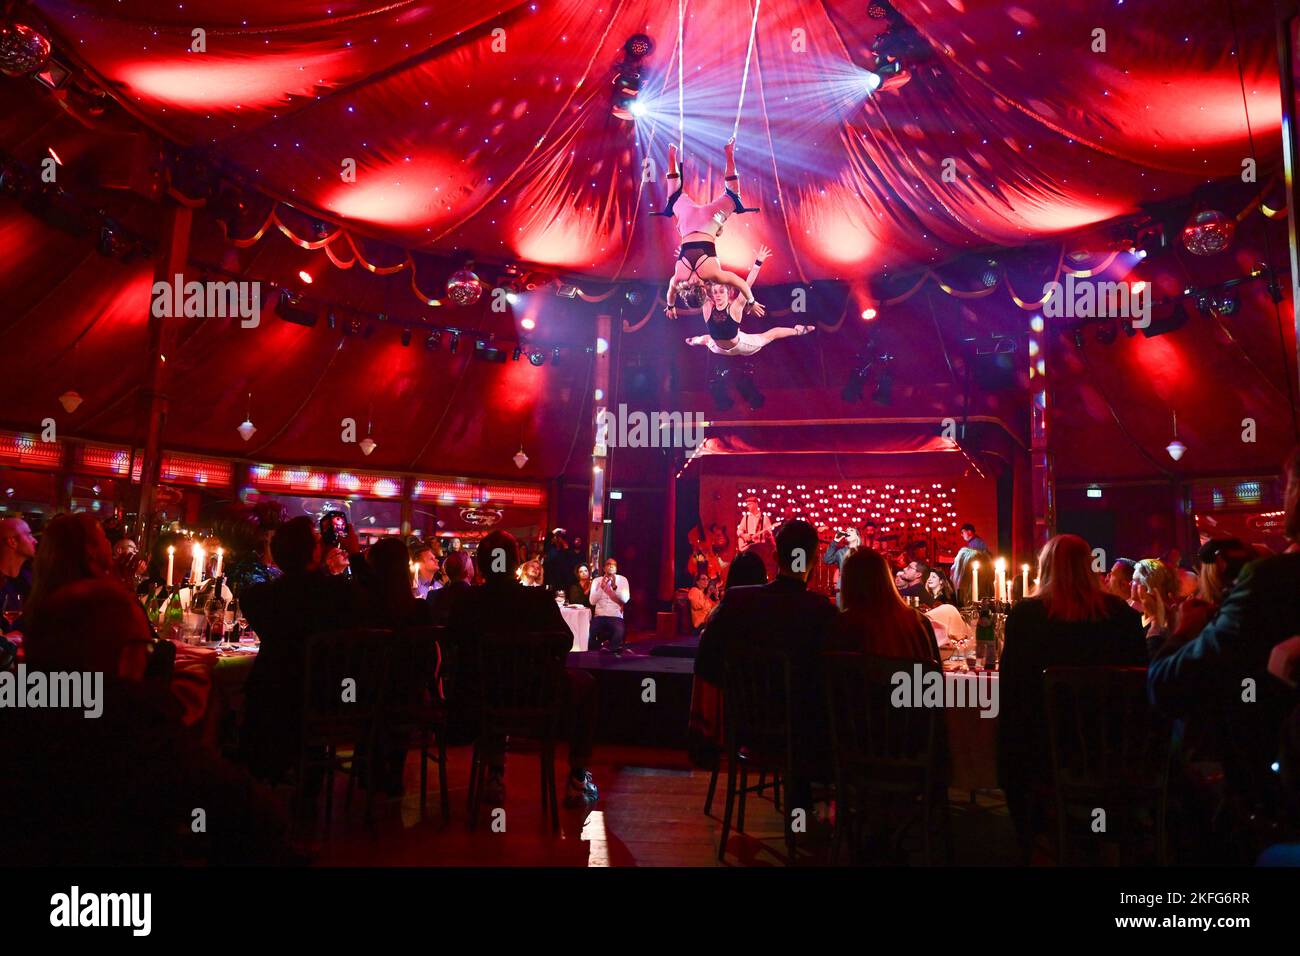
519,677
359,655
869,728
1104,734
414,666
757,704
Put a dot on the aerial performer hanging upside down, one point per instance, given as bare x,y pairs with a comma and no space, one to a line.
723,311
699,227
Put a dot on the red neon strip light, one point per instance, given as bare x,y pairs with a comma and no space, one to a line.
28,451
460,492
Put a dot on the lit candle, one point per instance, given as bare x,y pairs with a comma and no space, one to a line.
1000,579
171,563
196,564
221,553
1024,580
975,582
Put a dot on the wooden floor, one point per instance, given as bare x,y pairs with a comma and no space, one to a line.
650,813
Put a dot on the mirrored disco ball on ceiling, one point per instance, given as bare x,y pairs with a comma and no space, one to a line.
464,287
1208,232
23,49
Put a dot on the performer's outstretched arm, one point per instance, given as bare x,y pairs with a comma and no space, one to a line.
763,253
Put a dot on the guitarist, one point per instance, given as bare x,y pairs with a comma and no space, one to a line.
755,529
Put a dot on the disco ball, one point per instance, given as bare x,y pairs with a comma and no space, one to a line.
877,11
23,49
990,274
464,287
633,296
638,46
1208,232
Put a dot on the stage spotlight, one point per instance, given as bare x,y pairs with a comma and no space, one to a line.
871,82
305,276
1170,323
555,355
487,353
869,313
718,389
627,85
1225,302
748,390
455,342
528,324
434,341
537,357
853,388
638,46
332,320
884,393
514,356
406,337
289,308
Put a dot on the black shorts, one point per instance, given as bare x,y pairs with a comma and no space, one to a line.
687,248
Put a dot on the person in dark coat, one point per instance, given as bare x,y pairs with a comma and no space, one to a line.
285,613
782,614
503,606
1221,676
1069,622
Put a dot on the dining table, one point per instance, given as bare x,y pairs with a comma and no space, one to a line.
578,617
208,682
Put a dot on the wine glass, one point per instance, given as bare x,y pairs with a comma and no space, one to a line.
12,608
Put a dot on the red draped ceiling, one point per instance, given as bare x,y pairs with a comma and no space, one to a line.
513,153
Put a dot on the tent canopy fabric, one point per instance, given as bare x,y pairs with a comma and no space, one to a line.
486,126
517,158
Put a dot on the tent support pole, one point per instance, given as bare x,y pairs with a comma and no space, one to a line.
1043,475
162,337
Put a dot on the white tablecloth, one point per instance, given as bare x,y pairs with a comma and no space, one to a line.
579,620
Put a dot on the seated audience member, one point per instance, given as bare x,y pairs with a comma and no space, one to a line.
119,789
248,531
1155,594
786,615
911,580
459,569
1119,581
390,601
938,591
530,573
17,548
1204,679
1069,622
502,606
579,591
1221,560
427,572
701,600
73,548
746,570
875,619
303,601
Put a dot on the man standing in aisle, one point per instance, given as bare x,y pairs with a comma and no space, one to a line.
609,593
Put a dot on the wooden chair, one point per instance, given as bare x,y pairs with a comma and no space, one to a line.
335,713
757,718
1110,751
520,678
883,754
413,704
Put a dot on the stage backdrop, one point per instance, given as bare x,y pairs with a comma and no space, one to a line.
929,509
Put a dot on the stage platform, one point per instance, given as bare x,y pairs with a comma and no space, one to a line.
632,711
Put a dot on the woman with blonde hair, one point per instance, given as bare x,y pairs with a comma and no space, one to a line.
1069,621
876,619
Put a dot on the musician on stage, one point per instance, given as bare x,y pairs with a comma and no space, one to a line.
755,527
869,539
845,543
